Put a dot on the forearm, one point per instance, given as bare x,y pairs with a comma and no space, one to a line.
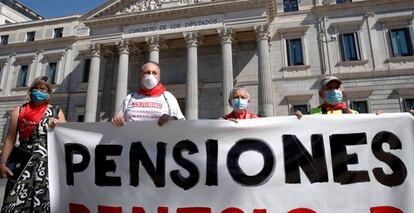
61,117
7,148
11,136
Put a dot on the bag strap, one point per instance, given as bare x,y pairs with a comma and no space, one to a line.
168,104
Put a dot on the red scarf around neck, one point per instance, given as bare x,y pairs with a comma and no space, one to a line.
30,116
340,106
154,92
243,115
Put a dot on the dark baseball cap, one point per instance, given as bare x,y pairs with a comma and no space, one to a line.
328,79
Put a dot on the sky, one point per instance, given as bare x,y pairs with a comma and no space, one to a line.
58,8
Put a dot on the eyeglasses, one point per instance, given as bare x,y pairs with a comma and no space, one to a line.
44,78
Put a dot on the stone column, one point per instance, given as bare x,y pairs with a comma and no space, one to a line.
39,65
375,50
32,69
67,68
226,35
265,76
68,61
154,48
93,83
191,103
122,80
8,74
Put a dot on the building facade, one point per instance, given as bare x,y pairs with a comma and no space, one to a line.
277,49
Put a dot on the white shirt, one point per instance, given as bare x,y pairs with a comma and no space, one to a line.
137,107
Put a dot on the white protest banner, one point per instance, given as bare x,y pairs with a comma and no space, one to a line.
324,164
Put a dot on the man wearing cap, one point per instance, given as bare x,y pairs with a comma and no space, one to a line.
239,99
331,92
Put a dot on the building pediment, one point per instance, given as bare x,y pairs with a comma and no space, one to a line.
122,7
127,12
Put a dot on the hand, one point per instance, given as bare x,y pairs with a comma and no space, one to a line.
298,114
379,112
118,120
234,120
411,111
53,122
4,171
165,118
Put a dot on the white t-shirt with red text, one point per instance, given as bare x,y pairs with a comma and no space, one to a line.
137,107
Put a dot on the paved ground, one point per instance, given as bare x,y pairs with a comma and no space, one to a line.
2,186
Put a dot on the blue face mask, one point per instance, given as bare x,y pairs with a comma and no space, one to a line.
38,96
333,96
239,103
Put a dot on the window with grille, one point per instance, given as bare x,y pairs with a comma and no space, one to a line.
349,47
22,77
4,39
360,106
294,52
343,1
30,36
58,33
303,108
408,104
290,5
51,72
401,43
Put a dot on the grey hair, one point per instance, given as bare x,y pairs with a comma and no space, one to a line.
149,62
231,95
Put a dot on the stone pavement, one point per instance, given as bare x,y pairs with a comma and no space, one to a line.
2,186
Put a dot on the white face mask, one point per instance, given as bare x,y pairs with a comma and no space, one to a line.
149,81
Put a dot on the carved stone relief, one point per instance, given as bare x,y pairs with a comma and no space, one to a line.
146,5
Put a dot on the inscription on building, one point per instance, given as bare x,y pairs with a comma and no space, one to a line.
181,24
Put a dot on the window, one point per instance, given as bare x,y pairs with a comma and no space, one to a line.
290,5
4,39
30,36
81,118
86,69
360,106
22,77
401,42
304,109
7,22
294,52
343,1
408,104
349,46
51,72
58,33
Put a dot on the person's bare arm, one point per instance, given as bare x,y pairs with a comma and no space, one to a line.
164,119
9,144
298,114
54,121
118,120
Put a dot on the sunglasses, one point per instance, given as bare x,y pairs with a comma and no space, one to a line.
44,78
